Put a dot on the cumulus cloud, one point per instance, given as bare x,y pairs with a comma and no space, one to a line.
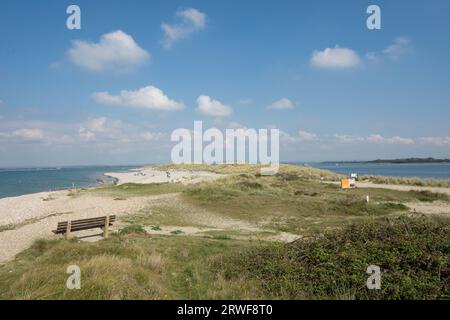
29,134
103,129
211,107
438,141
148,97
377,138
300,136
344,138
306,136
399,47
236,125
192,20
335,58
282,104
116,51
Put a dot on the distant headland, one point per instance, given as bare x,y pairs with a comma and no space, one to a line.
406,160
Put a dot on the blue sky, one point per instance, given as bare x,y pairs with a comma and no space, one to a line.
336,90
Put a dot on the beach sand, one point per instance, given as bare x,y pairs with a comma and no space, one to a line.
27,218
150,175
24,219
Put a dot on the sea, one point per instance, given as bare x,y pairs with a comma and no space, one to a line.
20,181
420,170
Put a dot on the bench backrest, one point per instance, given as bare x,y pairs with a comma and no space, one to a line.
84,224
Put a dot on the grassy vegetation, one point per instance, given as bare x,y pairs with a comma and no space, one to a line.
161,215
299,170
133,189
413,254
407,181
129,265
290,202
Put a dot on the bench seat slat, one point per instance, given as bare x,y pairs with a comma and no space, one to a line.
84,224
81,228
90,220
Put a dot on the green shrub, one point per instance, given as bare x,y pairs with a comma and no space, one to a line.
428,196
133,229
413,254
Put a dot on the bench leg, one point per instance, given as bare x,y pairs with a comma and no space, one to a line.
106,228
69,230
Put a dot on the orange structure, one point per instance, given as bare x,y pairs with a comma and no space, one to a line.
348,183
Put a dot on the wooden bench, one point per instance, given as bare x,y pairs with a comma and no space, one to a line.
67,227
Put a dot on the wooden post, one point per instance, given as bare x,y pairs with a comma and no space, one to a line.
69,230
105,228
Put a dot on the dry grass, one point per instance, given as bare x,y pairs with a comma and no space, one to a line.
413,181
135,265
255,169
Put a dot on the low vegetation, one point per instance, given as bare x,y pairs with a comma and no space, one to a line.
120,192
233,169
289,202
410,181
413,254
341,234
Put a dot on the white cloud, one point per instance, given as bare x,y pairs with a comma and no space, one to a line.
301,136
116,51
399,47
192,20
85,134
29,134
148,97
103,129
211,107
282,104
151,136
306,136
343,138
335,58
438,141
377,138
236,125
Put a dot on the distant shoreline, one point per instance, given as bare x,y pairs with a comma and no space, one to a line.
396,161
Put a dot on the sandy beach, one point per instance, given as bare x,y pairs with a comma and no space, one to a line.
150,175
27,218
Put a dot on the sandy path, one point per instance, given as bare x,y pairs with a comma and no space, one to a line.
46,215
204,221
361,184
430,208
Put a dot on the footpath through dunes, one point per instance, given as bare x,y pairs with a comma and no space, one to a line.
226,202
27,218
399,187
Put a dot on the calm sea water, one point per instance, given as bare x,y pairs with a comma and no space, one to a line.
16,182
421,170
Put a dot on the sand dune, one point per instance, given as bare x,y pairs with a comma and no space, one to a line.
145,176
